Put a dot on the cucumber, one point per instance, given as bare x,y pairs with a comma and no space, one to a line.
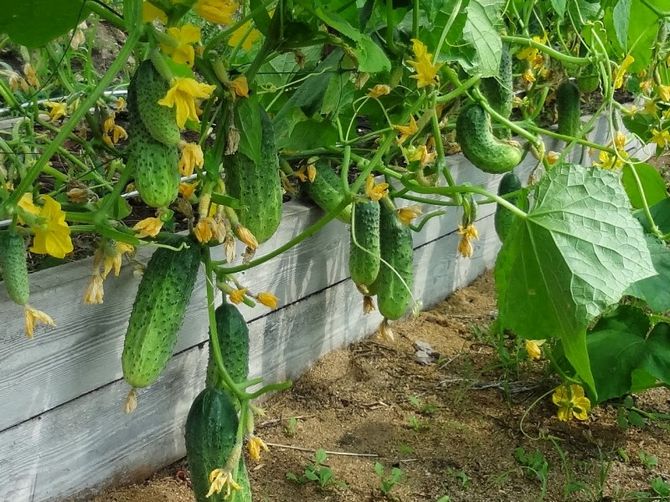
326,190
14,267
588,80
160,121
233,335
258,184
499,91
210,434
364,266
480,146
504,218
394,297
568,107
158,312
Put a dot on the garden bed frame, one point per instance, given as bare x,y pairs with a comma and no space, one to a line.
62,428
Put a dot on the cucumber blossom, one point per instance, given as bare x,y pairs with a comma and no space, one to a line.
480,146
364,263
568,107
504,218
14,267
158,312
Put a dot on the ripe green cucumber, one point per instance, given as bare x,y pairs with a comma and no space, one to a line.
326,190
364,263
394,297
568,107
160,121
504,218
158,312
480,146
499,91
233,336
13,267
258,184
210,434
156,170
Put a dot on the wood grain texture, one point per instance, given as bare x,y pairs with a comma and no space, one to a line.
88,442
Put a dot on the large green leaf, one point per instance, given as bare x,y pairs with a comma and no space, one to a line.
642,31
574,255
559,7
33,23
480,31
653,184
654,290
620,345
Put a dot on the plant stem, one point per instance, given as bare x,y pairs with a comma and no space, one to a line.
546,49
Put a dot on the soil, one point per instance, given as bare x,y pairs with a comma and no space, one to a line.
452,425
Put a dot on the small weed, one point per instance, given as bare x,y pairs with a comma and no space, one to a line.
648,460
660,487
416,424
534,463
421,407
317,472
291,427
444,498
387,483
405,450
461,476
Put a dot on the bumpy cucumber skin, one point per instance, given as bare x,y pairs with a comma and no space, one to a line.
258,187
160,121
158,312
210,433
326,192
364,266
14,267
233,335
154,164
393,298
504,217
480,146
567,104
499,91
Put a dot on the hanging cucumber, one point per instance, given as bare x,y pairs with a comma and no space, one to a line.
499,90
504,218
568,107
233,335
480,146
14,267
364,263
326,190
160,121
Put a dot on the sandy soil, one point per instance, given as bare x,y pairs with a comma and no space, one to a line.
452,426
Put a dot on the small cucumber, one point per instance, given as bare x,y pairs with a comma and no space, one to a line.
160,121
156,170
568,107
499,91
14,267
480,146
364,263
233,336
326,190
504,218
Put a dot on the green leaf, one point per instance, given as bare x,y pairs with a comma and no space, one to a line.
480,31
620,344
33,23
654,290
660,212
310,134
559,7
574,255
653,185
642,31
620,18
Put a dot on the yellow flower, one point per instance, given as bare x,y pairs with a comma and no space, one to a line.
620,140
528,76
217,11
209,228
552,157
306,173
426,71
407,131
120,104
151,13
533,349
375,191
182,96
379,90
240,32
95,290
571,402
182,52
407,214
32,316
220,480
240,86
254,447
245,235
664,92
621,71
268,299
661,138
27,205
148,227
650,108
468,234
420,154
531,53
31,75
191,158
607,161
110,256
186,190
57,110
112,133
236,296
646,85
52,235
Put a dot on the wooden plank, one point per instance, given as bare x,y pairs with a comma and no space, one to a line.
88,442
